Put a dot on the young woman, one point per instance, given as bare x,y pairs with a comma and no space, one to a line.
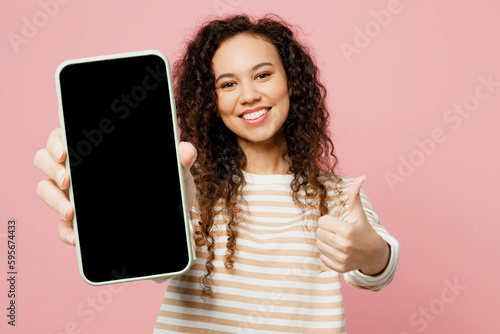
275,225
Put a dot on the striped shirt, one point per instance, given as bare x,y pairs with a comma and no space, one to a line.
278,283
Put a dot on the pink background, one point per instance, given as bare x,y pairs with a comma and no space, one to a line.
409,71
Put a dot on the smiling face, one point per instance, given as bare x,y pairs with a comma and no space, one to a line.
252,88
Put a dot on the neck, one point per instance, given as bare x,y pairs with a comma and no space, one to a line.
266,157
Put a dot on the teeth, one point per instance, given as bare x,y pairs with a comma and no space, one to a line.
255,115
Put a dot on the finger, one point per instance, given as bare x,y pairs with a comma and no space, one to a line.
187,154
328,262
323,235
193,243
55,145
354,198
66,232
338,266
330,243
332,257
324,247
53,169
330,223
54,197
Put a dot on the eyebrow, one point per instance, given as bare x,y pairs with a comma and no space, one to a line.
254,68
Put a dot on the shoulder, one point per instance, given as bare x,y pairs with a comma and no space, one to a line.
335,181
340,183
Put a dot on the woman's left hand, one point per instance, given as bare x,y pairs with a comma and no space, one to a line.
352,244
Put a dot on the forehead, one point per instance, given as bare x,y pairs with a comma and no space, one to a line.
241,52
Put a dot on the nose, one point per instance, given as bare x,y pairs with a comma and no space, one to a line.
249,92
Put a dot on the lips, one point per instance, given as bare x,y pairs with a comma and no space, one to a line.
255,113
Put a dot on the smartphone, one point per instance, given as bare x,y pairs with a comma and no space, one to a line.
119,128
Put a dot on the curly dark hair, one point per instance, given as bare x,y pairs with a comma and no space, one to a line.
218,169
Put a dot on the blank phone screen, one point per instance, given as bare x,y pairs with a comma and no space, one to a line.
124,169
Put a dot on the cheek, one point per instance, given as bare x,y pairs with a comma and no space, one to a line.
284,100
225,110
225,105
281,95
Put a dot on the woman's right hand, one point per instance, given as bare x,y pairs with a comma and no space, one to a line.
187,155
54,190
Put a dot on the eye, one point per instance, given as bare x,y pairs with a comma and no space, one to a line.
262,75
228,84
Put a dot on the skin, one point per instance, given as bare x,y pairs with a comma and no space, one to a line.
352,244
249,73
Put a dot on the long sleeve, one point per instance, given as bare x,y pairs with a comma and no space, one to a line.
359,280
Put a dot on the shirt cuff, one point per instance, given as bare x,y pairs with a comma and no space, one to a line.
357,279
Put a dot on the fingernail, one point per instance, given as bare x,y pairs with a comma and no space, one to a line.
60,176
58,151
70,238
63,210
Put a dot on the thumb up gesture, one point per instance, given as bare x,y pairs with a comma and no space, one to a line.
352,244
